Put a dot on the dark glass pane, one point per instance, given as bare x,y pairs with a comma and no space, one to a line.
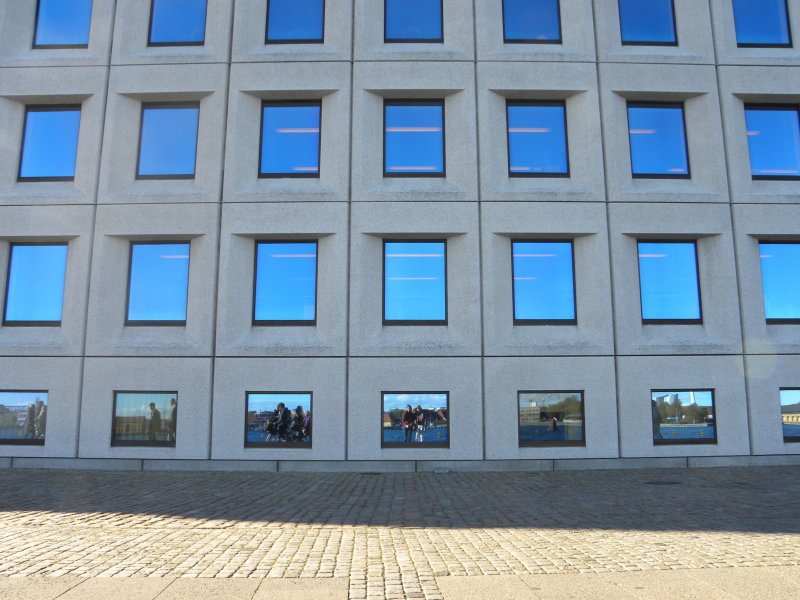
35,289
780,276
415,418
278,418
658,141
290,140
286,281
683,417
23,417
145,419
63,23
790,415
543,281
647,21
773,137
414,138
169,141
668,280
537,140
181,21
761,22
295,20
159,282
50,146
413,20
415,281
531,20
550,418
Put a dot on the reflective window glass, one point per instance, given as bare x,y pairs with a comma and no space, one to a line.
178,22
144,419
773,138
683,417
780,277
551,419
418,419
544,287
50,143
290,139
278,419
415,289
159,283
35,285
62,23
413,21
23,417
168,141
286,283
761,23
647,22
295,21
657,141
413,139
537,140
531,21
790,414
668,281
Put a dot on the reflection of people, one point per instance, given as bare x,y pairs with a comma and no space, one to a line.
408,421
553,424
173,419
656,420
295,431
30,424
419,422
41,418
307,427
155,422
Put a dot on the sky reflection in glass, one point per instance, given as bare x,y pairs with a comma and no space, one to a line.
295,20
63,23
35,288
414,140
537,140
23,418
414,20
414,286
790,414
286,281
159,282
647,22
668,281
543,281
658,141
169,141
178,22
531,21
773,137
50,146
780,277
761,23
290,140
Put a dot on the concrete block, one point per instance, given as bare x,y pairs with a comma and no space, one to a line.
88,464
346,466
743,461
5,463
620,463
209,465
484,465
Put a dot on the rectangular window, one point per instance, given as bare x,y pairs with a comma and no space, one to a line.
49,143
413,21
762,23
62,24
144,419
177,23
531,22
158,284
647,23
669,283
413,142
295,21
290,133
35,284
790,414
23,417
683,417
168,140
544,284
773,138
416,420
537,139
281,419
780,278
551,418
285,283
657,133
414,283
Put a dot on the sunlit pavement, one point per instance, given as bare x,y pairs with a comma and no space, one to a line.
689,533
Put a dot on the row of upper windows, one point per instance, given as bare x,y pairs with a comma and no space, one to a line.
414,282
66,23
414,139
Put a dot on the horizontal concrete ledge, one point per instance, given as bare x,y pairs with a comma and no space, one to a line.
484,465
585,464
773,460
210,465
347,466
93,464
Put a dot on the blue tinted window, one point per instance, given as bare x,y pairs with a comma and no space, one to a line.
63,23
413,21
773,136
683,417
414,139
544,287
290,140
415,418
790,414
414,281
178,22
537,140
295,20
169,141
761,23
159,282
286,281
50,143
274,418
668,281
550,418
648,22
35,287
658,141
531,21
780,276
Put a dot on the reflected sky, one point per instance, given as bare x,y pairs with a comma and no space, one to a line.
790,397
761,22
426,401
35,288
773,137
658,140
543,280
295,20
413,19
137,404
700,398
290,140
668,280
159,282
259,402
537,139
50,146
780,276
647,21
286,281
546,399
414,141
63,22
169,141
178,21
414,288
531,20
15,399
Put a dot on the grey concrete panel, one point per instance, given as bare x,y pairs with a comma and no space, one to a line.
766,374
5,463
346,466
457,466
82,464
210,465
585,464
742,461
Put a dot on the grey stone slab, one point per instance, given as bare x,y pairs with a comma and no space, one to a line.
754,583
484,465
210,465
134,588
581,464
347,466
484,587
743,461
667,585
330,588
91,464
35,588
570,586
5,463
220,589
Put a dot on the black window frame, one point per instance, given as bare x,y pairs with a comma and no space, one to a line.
776,321
268,41
35,46
787,107
292,322
554,443
698,321
415,102
792,439
643,104
152,44
47,108
155,323
413,322
640,43
789,44
290,103
387,40
507,40
166,105
141,443
533,322
414,445
279,444
26,441
6,323
690,441
537,174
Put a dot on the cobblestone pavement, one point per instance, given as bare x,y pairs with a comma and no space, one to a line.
393,535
